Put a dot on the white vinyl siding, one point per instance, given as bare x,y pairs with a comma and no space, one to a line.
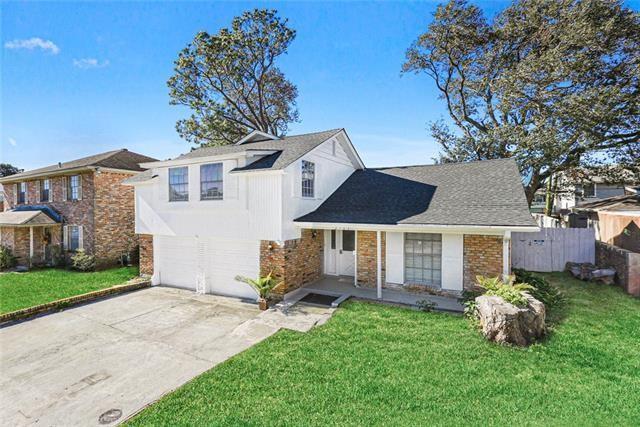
423,259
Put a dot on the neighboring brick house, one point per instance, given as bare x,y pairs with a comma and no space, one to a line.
304,207
81,204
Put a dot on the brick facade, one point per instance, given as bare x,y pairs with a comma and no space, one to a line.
367,259
482,256
146,254
114,218
105,212
296,262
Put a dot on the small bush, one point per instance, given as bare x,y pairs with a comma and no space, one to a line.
7,260
542,290
509,291
82,261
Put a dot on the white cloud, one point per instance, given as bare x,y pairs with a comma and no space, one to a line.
12,142
33,43
87,63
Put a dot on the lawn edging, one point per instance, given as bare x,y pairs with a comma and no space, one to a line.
61,304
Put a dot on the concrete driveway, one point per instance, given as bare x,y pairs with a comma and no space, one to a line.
118,354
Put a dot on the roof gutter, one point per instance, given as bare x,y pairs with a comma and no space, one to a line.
444,228
19,178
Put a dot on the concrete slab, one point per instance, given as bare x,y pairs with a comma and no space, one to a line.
122,353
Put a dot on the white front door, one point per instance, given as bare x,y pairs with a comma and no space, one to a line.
340,252
346,248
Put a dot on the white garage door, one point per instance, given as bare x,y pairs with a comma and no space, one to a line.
182,259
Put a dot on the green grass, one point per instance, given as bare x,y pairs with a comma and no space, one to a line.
373,364
22,290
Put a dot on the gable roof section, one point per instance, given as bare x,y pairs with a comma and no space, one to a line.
286,150
122,159
482,193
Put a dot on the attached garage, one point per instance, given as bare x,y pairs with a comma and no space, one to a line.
185,262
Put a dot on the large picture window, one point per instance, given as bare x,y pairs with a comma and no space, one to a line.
211,182
423,259
308,178
179,184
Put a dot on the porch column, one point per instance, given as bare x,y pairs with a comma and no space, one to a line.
30,245
379,264
506,243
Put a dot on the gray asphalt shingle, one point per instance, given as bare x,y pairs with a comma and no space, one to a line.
482,193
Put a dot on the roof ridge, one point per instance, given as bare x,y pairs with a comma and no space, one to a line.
443,164
335,130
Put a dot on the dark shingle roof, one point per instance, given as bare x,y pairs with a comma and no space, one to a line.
117,159
629,202
287,149
479,193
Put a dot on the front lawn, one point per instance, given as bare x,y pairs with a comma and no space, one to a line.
22,290
373,364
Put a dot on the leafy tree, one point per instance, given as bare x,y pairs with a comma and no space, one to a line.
6,169
554,84
231,83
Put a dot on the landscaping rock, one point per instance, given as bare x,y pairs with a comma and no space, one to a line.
503,322
588,271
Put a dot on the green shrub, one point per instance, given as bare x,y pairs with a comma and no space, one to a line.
82,261
542,290
509,291
7,260
426,305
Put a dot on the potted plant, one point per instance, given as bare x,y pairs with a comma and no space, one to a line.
263,285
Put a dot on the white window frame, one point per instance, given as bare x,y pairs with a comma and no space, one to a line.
185,184
21,200
44,185
308,183
67,239
434,240
221,181
70,188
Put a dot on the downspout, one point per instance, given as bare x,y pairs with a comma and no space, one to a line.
506,245
379,264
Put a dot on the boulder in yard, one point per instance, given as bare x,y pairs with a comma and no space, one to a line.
504,322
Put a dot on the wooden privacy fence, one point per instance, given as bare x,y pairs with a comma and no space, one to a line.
551,248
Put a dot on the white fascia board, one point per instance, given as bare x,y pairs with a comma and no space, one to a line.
205,159
429,228
353,150
256,133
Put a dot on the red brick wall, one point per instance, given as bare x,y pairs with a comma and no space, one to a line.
366,257
146,254
294,263
482,257
114,217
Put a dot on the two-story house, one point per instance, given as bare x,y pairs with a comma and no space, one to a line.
80,204
305,206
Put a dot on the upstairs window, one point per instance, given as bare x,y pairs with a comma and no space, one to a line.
211,182
589,190
45,190
22,193
74,187
179,184
308,178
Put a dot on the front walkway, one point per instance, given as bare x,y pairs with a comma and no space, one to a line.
125,352
344,287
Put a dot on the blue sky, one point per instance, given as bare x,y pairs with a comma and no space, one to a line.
96,78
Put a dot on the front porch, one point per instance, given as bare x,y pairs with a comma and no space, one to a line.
345,288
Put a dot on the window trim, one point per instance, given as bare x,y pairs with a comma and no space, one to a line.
48,189
433,283
67,239
185,183
21,196
312,180
221,181
70,188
